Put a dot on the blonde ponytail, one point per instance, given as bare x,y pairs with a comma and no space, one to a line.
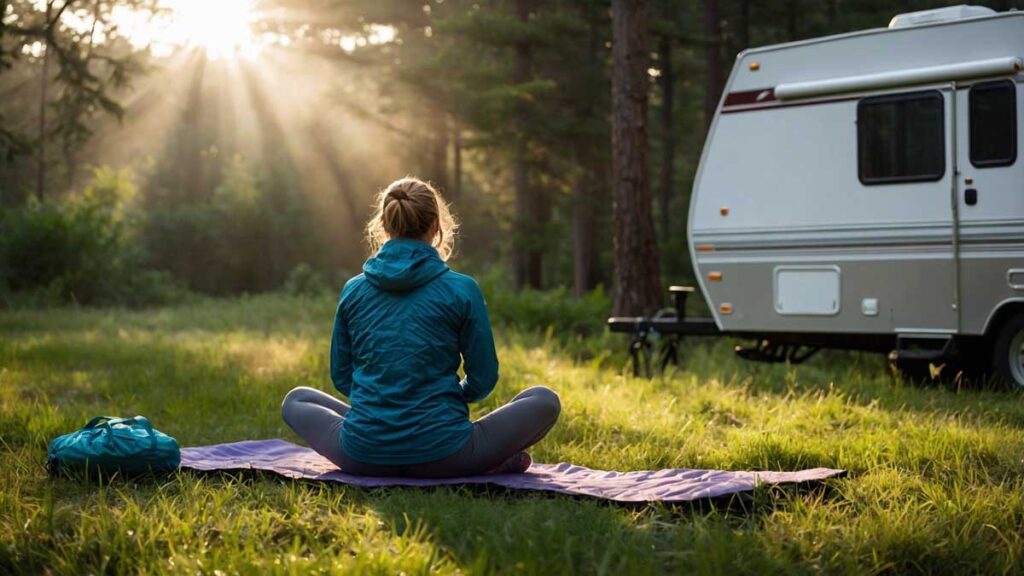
412,208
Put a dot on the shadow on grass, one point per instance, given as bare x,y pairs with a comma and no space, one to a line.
555,534
536,533
864,378
479,528
196,397
675,448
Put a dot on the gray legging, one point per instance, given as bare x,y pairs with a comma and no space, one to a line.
317,418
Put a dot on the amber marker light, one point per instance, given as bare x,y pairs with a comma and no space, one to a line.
716,276
755,66
705,248
725,308
723,211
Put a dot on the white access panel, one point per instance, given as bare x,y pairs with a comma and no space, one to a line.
807,290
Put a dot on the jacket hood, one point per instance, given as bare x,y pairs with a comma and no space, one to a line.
403,264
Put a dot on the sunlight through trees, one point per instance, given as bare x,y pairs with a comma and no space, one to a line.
505,106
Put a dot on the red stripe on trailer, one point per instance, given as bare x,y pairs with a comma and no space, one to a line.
764,99
775,104
747,97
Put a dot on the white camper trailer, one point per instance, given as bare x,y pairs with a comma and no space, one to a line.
863,191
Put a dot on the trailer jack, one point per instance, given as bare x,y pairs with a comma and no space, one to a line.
661,333
768,351
642,345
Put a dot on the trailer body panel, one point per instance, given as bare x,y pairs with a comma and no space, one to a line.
878,155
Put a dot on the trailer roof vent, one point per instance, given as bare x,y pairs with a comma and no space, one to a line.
939,15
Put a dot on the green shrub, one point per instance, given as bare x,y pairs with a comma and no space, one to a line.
247,235
539,311
78,250
304,280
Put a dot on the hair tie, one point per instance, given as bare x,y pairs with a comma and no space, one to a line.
398,194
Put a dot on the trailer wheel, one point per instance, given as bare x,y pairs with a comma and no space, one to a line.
1008,352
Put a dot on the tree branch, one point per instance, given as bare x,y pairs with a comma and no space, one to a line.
56,17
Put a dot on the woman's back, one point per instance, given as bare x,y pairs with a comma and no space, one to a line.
399,330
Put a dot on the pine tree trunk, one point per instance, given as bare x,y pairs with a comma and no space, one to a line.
793,10
43,96
540,215
189,159
585,192
583,233
832,14
439,154
638,282
69,149
521,186
668,136
456,191
712,60
522,257
743,36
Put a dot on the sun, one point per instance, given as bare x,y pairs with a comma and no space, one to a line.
223,28
220,28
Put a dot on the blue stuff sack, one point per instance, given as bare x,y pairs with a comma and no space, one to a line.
128,446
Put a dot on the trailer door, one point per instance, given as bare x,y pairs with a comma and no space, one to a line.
990,198
906,152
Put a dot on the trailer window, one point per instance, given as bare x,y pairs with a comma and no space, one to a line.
993,124
901,138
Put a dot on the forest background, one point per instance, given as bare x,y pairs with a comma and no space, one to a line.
138,164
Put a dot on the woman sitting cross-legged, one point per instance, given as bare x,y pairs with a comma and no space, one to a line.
399,332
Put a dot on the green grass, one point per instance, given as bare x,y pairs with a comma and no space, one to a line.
936,473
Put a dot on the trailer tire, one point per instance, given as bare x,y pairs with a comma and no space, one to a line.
1008,352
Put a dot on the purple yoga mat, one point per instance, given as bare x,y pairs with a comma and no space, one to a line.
671,485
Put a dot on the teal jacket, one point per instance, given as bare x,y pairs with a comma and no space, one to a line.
399,331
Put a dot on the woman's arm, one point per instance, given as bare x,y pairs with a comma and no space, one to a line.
341,354
476,343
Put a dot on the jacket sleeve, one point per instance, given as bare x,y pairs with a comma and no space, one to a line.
476,344
341,354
